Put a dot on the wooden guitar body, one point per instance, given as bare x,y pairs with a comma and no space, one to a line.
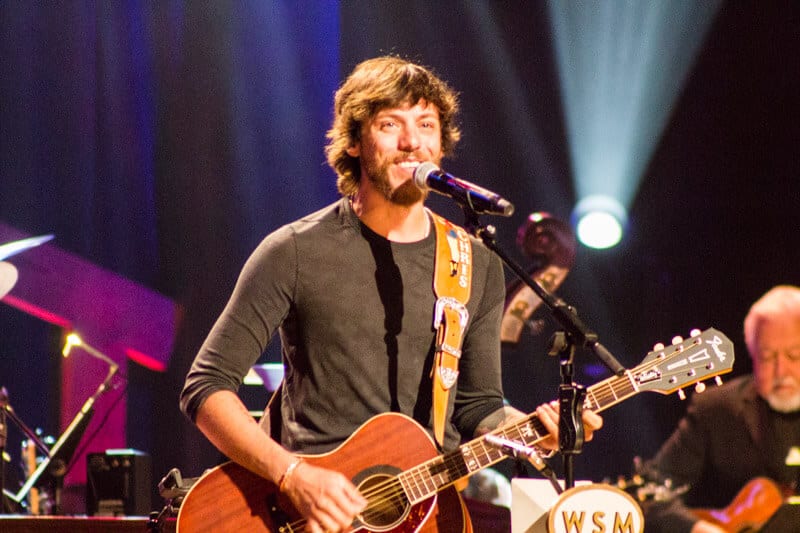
396,467
752,507
231,498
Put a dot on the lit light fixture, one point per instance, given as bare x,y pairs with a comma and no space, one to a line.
622,66
73,339
599,221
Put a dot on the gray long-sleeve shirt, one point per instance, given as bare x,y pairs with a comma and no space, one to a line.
354,312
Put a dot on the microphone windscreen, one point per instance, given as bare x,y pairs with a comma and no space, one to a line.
422,172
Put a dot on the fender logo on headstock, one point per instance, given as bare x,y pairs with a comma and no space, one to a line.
715,342
648,375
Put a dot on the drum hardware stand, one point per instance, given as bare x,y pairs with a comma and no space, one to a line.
173,487
58,457
7,411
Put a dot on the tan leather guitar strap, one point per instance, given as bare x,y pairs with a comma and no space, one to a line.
452,282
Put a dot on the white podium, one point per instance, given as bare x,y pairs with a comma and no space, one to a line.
531,499
587,507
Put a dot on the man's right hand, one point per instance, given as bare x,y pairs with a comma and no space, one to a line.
326,498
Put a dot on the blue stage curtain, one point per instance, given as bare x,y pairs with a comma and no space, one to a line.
163,140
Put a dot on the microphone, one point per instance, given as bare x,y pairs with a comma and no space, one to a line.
517,450
480,200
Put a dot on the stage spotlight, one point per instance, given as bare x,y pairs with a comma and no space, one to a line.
599,221
622,66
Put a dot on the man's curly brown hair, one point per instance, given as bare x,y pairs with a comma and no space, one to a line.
374,85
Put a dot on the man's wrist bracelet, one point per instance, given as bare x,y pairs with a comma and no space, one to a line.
289,469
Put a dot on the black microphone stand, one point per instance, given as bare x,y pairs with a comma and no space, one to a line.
570,405
58,458
7,411
62,451
3,440
575,333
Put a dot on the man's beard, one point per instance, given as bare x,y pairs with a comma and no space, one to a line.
406,194
784,404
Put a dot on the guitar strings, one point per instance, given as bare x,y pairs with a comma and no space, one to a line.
609,390
390,495
393,499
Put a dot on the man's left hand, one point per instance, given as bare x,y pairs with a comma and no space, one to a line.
548,416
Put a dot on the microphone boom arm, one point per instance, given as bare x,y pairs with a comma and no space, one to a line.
562,312
570,423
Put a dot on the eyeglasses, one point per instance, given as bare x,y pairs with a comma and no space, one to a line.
769,356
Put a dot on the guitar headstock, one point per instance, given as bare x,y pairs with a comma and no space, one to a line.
703,355
647,490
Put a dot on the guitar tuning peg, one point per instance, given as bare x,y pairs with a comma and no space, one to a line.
695,333
718,381
700,387
681,394
658,347
677,339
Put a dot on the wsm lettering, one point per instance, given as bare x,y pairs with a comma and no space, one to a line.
600,522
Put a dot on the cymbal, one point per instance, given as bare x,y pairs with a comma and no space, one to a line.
8,277
14,247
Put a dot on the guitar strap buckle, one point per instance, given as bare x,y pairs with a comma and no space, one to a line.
450,321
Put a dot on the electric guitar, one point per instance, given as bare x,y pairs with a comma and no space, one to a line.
395,464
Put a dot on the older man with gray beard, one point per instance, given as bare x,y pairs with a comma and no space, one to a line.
746,429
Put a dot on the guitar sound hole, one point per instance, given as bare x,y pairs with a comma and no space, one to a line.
387,502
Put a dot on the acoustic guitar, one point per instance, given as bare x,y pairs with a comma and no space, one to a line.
752,507
749,510
395,464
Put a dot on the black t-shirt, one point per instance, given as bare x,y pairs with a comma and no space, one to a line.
784,429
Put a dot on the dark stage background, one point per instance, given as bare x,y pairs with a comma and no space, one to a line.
163,140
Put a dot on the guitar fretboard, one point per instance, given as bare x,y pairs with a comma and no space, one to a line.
428,478
665,370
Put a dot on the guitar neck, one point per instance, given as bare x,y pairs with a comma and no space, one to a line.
428,478
666,369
